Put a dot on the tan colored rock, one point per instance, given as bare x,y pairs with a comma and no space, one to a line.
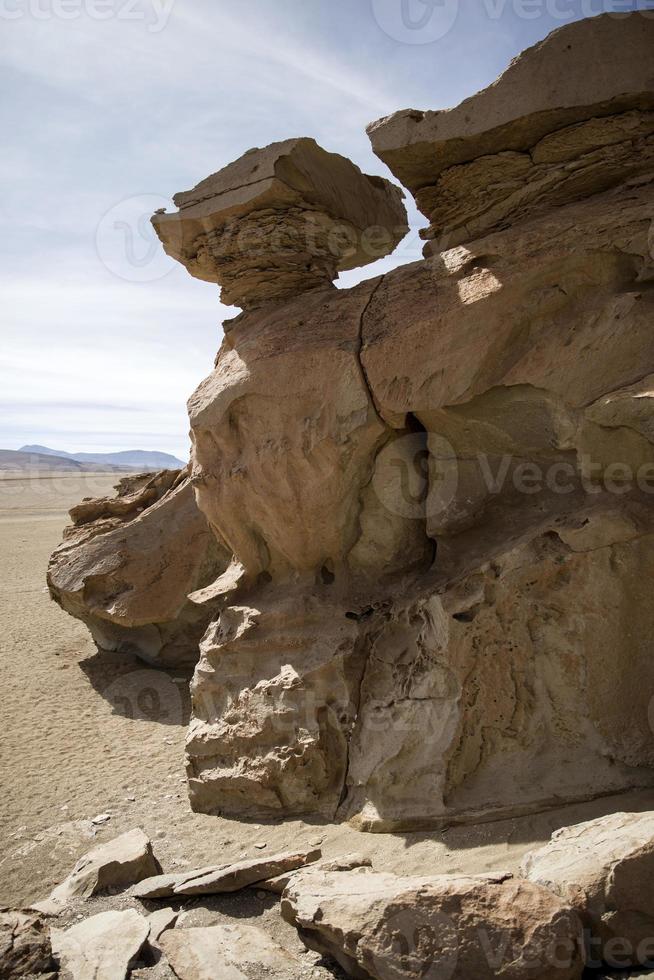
459,927
282,220
347,862
24,945
232,877
605,868
570,117
117,864
102,947
230,952
126,567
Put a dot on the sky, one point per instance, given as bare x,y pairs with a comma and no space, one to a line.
111,106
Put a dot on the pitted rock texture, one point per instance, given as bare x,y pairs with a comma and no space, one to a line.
383,925
570,117
433,498
282,220
128,564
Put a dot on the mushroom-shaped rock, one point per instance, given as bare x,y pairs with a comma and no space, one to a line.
570,117
281,220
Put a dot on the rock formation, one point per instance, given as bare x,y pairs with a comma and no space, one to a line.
127,565
431,493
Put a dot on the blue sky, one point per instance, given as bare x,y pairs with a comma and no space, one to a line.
111,106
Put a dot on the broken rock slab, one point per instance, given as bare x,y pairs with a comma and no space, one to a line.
605,869
282,220
459,927
224,877
117,864
24,945
348,862
102,947
570,116
228,952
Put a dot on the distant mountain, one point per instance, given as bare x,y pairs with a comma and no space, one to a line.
28,462
137,459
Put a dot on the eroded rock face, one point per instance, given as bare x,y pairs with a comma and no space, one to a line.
282,220
128,564
605,869
570,117
384,925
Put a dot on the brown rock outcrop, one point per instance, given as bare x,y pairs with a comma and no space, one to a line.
24,945
459,927
605,869
282,220
129,562
570,117
436,488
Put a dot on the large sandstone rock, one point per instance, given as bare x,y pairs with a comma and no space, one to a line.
456,927
605,868
282,220
569,117
128,563
102,947
117,864
24,945
232,952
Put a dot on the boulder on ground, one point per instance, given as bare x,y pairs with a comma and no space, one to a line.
281,220
102,947
24,945
605,868
228,952
460,927
570,116
348,862
117,864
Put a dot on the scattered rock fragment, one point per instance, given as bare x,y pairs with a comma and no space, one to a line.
24,945
605,869
102,947
116,864
383,925
232,877
345,863
229,952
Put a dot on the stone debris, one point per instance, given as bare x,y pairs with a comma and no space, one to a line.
101,947
227,952
24,945
345,863
459,927
282,220
605,869
570,117
117,864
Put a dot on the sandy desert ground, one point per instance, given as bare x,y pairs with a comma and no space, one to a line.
85,733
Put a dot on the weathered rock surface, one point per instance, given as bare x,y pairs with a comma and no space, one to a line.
228,952
347,862
570,117
383,925
117,864
102,947
282,220
24,945
605,868
434,490
223,877
128,564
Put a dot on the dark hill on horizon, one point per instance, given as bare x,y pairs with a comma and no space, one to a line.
23,462
134,459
